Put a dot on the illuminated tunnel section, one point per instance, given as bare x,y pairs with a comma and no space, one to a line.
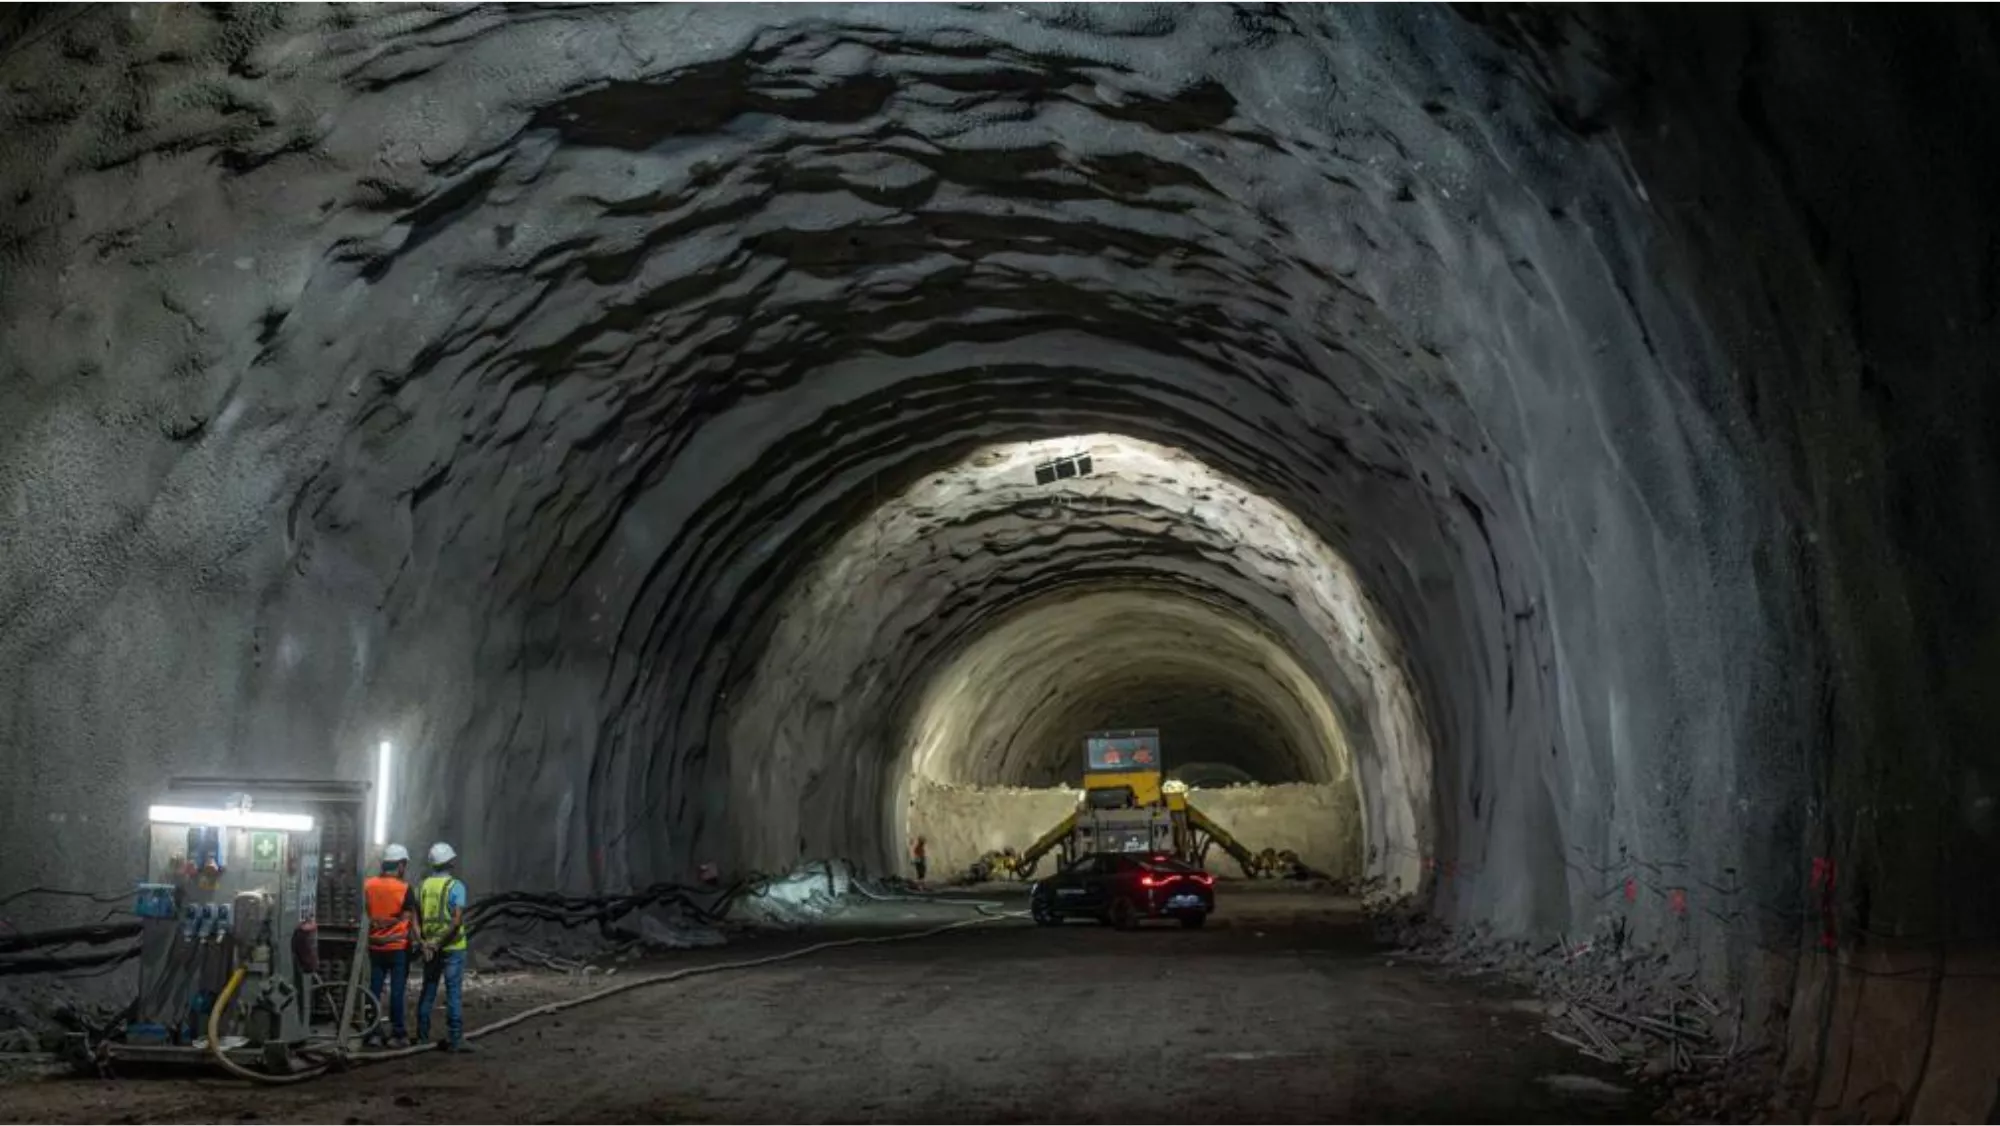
523,386
1013,708
1022,606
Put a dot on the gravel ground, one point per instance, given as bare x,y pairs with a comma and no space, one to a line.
1285,1009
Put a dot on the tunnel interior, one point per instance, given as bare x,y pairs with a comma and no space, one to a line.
1113,661
975,627
669,427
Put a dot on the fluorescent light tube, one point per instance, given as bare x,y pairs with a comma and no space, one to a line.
382,795
230,818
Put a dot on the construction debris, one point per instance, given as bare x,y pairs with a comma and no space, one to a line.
1620,1003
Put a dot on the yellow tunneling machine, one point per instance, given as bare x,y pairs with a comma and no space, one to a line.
1128,805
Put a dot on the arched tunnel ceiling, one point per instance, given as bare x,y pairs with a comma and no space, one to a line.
492,381
511,366
1037,685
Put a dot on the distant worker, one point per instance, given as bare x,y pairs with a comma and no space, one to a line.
392,925
918,859
441,924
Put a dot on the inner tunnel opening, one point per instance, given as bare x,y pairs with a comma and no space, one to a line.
1028,593
1011,710
998,745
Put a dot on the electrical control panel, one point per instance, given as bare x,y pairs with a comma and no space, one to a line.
236,872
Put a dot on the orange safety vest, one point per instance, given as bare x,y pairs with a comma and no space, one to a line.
388,931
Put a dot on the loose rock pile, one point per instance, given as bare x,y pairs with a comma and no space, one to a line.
38,1012
1622,1004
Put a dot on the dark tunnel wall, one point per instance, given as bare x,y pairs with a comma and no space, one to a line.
484,380
1827,187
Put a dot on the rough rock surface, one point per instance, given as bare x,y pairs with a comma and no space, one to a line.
960,824
1317,822
487,379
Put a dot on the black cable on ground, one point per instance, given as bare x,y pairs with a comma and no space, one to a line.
57,963
119,896
96,934
705,904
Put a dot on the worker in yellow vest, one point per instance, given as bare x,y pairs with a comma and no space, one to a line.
441,926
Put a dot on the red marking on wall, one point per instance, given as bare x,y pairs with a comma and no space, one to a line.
1677,900
1631,890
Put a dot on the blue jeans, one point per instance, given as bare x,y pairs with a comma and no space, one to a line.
394,967
449,967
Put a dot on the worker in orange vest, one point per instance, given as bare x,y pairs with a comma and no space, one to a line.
392,923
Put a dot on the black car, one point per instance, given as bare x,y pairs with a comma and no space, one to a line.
1123,888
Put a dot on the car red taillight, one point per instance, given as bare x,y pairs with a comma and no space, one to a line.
1147,881
1204,879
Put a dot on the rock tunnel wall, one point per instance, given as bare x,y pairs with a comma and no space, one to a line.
1317,821
960,824
483,380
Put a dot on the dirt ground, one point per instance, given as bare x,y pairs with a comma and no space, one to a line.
1283,1010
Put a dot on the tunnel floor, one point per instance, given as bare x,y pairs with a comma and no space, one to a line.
1284,1010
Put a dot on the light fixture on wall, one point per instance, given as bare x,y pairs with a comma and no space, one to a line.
382,793
1063,468
234,817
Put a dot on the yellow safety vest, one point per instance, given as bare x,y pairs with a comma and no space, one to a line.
436,916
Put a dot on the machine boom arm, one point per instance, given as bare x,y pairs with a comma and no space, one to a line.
1216,833
1048,840
1128,805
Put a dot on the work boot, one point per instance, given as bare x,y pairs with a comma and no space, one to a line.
399,1041
461,1047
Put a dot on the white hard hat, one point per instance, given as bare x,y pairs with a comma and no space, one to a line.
442,853
395,854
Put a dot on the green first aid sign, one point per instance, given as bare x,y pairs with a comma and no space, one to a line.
264,852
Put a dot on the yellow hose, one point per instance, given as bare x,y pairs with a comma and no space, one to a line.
227,995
